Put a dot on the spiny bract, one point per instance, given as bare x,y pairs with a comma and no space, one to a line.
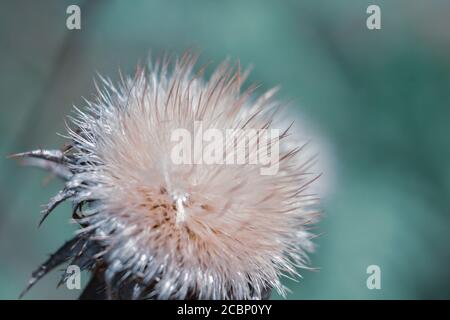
240,231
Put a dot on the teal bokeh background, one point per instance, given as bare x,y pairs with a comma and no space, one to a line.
380,99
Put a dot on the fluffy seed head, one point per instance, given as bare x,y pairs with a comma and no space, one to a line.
214,231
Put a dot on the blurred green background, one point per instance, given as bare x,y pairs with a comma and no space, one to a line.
380,99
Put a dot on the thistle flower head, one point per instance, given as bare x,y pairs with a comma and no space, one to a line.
154,228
